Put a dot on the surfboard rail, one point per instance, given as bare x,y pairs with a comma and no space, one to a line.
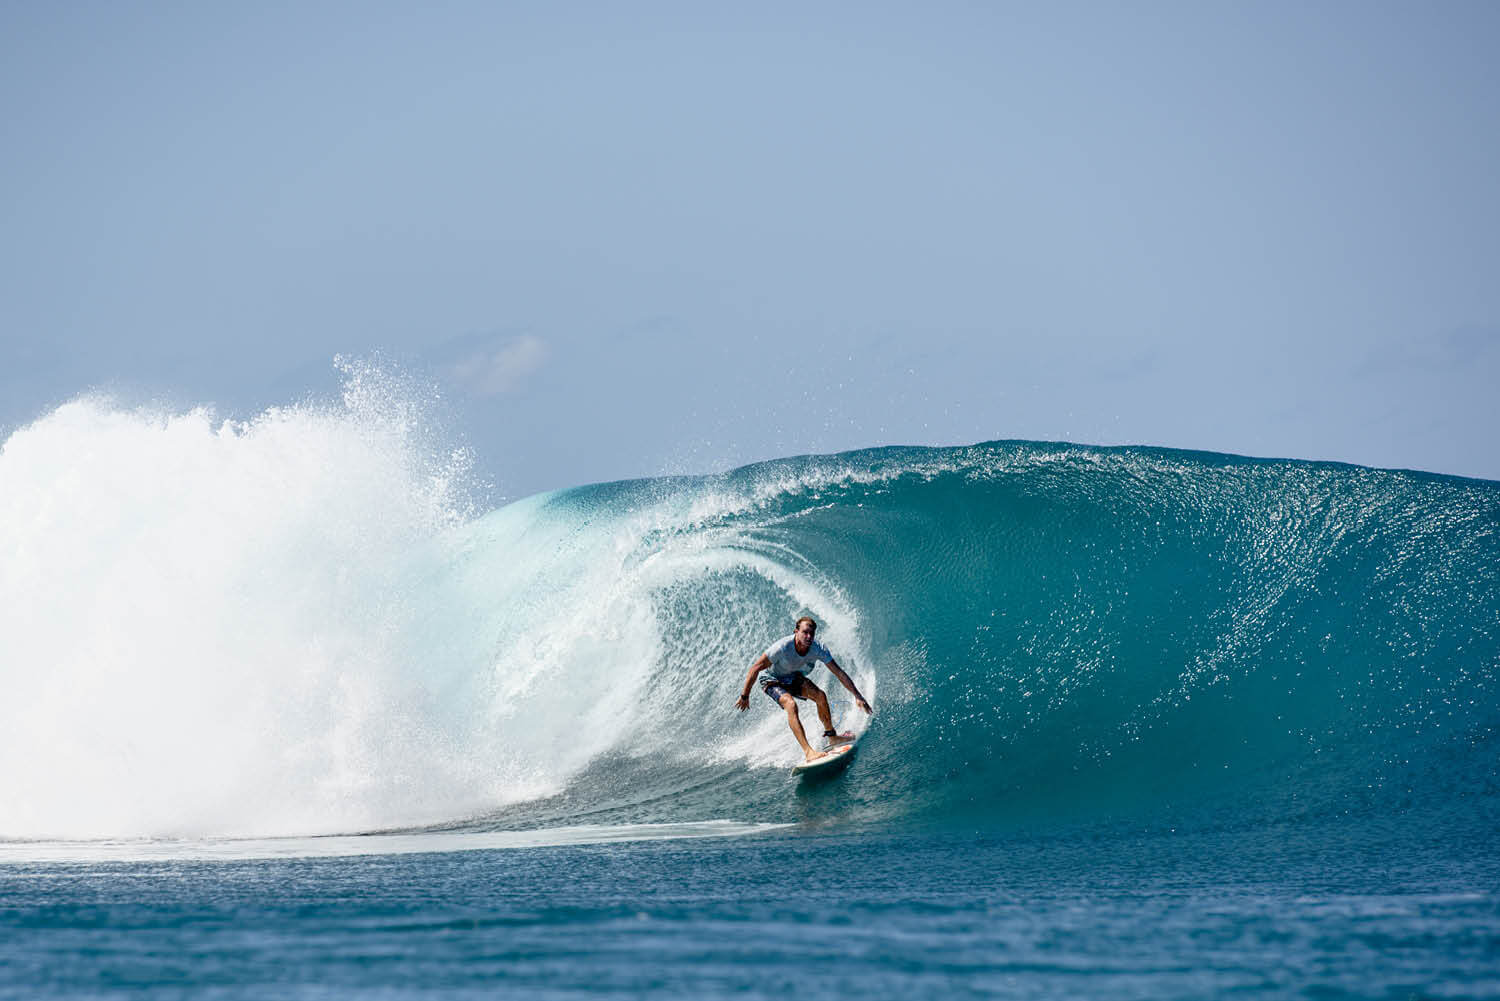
835,759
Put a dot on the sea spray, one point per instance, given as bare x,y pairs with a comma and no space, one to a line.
203,621
298,625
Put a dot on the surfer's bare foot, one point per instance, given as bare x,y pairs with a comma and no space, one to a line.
814,755
840,738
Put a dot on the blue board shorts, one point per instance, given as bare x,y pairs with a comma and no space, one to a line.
795,686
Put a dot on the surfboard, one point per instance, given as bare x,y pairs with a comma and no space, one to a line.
834,760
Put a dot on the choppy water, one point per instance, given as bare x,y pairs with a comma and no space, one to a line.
880,914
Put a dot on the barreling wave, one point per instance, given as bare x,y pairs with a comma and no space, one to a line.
294,626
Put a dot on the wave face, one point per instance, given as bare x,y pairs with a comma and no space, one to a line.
295,625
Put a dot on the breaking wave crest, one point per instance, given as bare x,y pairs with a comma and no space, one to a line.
299,624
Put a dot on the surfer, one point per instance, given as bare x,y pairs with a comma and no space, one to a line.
785,664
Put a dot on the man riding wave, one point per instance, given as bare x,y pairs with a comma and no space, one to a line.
785,664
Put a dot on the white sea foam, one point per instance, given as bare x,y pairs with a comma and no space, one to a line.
424,842
293,625
213,628
205,625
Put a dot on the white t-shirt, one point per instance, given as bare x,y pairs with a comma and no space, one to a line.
786,661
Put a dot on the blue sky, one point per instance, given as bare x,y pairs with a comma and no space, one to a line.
626,240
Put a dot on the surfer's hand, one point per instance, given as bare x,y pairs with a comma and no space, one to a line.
742,703
865,706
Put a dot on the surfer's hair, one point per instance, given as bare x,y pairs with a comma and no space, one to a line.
808,618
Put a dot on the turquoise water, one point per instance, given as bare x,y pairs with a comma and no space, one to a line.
1148,724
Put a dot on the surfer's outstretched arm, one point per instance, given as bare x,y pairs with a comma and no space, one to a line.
760,665
848,682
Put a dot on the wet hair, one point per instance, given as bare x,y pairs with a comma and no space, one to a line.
807,618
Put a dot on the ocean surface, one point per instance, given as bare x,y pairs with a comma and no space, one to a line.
285,713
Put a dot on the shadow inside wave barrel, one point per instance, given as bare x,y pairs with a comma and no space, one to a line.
1077,636
1066,637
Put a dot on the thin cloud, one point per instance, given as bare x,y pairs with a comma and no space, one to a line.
492,370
